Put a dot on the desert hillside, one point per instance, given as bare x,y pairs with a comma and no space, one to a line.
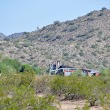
82,42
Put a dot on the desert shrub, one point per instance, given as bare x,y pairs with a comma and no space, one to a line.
17,45
7,39
58,37
76,88
77,73
57,23
65,54
108,49
71,39
70,23
105,72
82,35
7,69
104,8
99,40
42,84
101,14
38,70
46,103
26,44
105,96
107,46
105,62
90,19
71,29
72,87
22,56
1,57
86,107
67,86
8,65
81,53
27,68
1,48
47,36
17,92
89,65
12,62
105,101
94,46
105,38
58,85
94,53
77,46
100,33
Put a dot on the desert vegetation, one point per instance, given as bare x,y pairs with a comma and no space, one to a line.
13,66
74,42
21,86
24,58
21,91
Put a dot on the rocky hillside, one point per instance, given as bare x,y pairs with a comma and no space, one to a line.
83,42
2,36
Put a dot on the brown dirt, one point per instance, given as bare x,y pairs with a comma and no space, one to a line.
74,105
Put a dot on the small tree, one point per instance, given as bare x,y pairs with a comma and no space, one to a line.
57,23
104,8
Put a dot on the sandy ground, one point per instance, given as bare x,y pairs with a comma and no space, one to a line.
74,105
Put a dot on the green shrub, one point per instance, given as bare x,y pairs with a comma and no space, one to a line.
81,53
58,85
7,69
86,107
77,73
77,46
94,46
27,68
38,70
94,53
17,93
77,88
105,72
12,62
20,91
